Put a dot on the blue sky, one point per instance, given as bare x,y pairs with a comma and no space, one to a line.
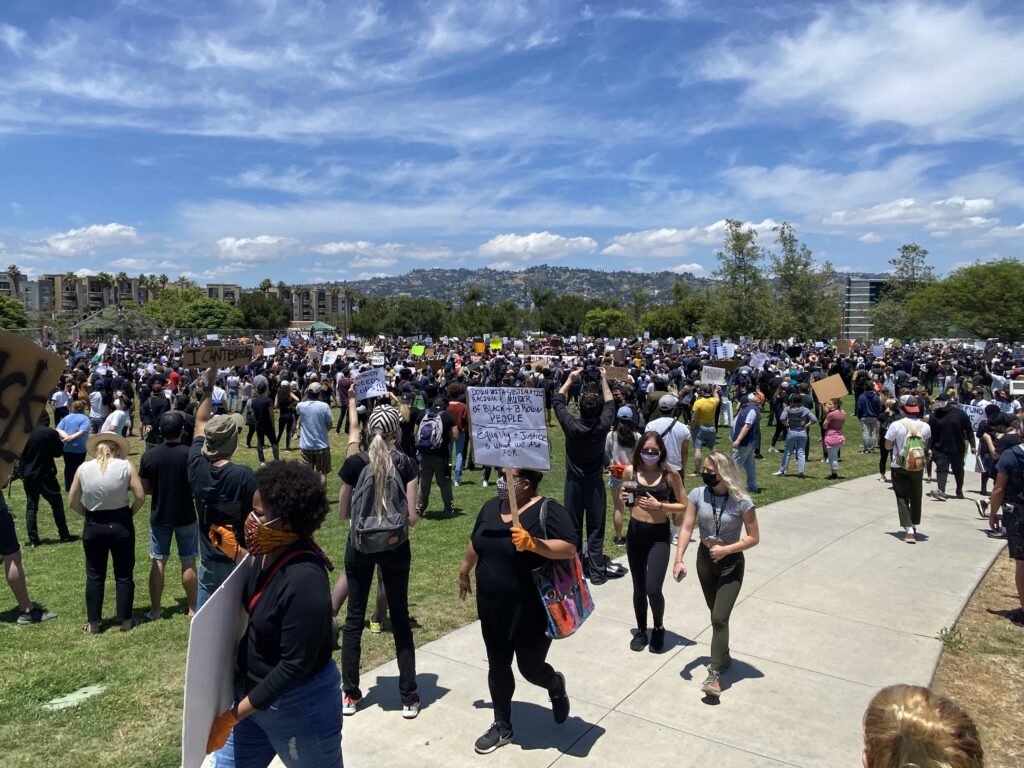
306,140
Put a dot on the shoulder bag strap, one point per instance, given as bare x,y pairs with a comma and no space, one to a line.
544,516
273,572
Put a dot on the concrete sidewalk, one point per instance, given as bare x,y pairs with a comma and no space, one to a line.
834,606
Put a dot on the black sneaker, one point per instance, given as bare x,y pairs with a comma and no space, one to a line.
560,700
620,541
657,640
598,579
68,539
639,640
498,735
35,615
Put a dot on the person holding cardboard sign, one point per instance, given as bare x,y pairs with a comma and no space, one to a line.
513,622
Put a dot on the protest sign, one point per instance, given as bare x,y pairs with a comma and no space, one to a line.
269,351
28,374
729,365
878,350
843,346
1016,388
757,360
221,357
508,427
495,344
479,346
377,361
210,662
647,335
710,375
617,374
829,387
435,365
728,350
370,384
979,346
975,413
819,345
101,349
417,350
329,357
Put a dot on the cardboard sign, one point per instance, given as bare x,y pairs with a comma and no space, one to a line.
479,346
709,375
28,374
221,357
508,427
435,365
843,346
370,384
329,357
617,374
210,662
377,361
829,387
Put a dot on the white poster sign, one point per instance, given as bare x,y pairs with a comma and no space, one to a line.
508,427
757,360
709,375
269,351
1016,388
329,357
370,384
730,349
210,663
377,361
975,413
101,349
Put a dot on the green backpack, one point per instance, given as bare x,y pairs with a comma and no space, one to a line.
914,456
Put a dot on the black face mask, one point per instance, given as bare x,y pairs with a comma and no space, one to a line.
710,478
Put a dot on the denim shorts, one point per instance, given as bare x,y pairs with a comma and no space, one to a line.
187,537
705,437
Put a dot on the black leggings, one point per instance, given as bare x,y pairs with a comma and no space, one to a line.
109,534
648,546
780,433
285,428
883,455
510,630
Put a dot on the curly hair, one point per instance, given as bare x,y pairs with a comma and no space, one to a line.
293,491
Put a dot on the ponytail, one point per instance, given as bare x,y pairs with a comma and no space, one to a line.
382,465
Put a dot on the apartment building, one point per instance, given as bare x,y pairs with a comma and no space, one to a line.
861,294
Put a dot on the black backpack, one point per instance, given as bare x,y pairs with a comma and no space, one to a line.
430,434
368,532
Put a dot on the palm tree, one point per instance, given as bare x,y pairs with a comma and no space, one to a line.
349,297
163,280
105,280
15,274
473,295
70,280
121,279
541,296
266,284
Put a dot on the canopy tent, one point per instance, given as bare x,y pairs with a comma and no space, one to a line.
319,326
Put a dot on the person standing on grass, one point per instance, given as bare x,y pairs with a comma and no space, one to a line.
835,419
99,493
287,702
39,474
460,412
907,477
287,399
728,527
868,410
951,429
14,572
262,409
435,432
315,421
74,432
702,423
512,617
797,418
164,474
1008,497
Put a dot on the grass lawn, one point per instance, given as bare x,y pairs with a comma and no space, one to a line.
136,721
982,666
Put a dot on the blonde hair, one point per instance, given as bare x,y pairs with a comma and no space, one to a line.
906,726
382,465
730,475
105,451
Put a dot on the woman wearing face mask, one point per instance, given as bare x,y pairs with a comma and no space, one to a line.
649,539
728,527
385,460
286,681
512,617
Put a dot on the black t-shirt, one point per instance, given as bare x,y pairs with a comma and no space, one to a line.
165,467
223,496
408,469
43,446
260,407
504,575
447,425
584,438
290,635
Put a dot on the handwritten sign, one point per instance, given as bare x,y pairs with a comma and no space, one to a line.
222,357
269,351
508,427
330,356
843,346
28,374
370,384
377,361
711,375
975,413
617,374
878,350
757,360
829,387
417,350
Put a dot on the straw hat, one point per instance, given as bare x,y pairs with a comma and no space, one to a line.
107,437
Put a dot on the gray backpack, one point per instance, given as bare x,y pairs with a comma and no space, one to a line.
368,533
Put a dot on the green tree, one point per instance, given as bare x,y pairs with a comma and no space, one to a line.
262,311
15,274
12,313
610,323
474,295
985,300
167,307
894,315
266,284
743,302
808,293
639,301
210,315
564,314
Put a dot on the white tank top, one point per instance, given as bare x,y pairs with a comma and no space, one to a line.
107,490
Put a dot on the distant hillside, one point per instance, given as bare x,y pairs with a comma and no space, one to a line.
449,284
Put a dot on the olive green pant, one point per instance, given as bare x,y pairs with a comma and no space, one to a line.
721,584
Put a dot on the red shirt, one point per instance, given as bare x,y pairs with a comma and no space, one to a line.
459,412
172,380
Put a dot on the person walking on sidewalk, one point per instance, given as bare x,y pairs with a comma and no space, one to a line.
728,527
951,428
746,437
908,439
512,617
1008,496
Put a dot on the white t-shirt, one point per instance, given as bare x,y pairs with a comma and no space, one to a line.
673,439
116,422
60,399
107,490
97,410
897,433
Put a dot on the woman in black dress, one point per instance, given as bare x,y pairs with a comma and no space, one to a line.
512,616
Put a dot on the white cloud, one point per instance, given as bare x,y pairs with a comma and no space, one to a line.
660,243
373,261
86,272
692,267
369,254
870,238
251,250
83,239
536,245
937,217
292,181
948,71
145,265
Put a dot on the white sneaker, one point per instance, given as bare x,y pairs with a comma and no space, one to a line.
483,484
455,484
409,711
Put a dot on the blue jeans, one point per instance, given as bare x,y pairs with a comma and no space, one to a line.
232,402
459,449
833,457
303,728
744,458
796,442
211,573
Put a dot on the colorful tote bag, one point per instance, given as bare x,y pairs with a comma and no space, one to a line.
563,591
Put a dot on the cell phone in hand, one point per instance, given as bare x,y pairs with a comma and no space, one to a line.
680,576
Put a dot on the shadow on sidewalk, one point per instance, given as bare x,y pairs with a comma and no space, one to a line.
898,535
535,729
737,671
384,692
